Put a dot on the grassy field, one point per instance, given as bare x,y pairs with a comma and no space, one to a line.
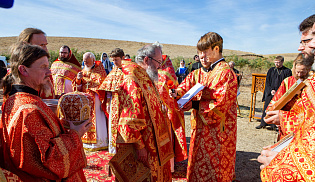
129,47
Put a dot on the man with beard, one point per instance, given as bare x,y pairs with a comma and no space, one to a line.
212,150
296,161
88,80
109,96
64,70
141,121
300,70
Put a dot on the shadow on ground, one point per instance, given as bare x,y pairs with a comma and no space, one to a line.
247,168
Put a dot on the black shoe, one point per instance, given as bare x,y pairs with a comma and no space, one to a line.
260,126
273,127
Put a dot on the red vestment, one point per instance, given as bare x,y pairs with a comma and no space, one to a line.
64,71
296,161
110,87
142,122
89,84
7,176
213,126
286,127
35,145
175,115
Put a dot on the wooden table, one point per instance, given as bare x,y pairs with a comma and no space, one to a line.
258,84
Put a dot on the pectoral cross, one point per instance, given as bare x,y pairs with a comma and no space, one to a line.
87,85
76,87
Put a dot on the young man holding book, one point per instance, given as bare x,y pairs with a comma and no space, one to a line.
213,131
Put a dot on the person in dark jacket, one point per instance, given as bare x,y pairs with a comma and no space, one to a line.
275,76
197,64
3,70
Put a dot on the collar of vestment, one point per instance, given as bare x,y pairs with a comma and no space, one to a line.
212,65
23,88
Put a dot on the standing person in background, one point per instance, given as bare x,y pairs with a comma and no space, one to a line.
108,92
232,65
108,65
34,144
181,72
36,36
197,64
88,80
275,76
64,70
127,56
3,70
212,150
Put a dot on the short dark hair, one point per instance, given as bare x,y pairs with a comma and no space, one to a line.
65,46
210,40
117,52
280,58
307,23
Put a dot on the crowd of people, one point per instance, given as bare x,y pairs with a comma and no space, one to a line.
135,107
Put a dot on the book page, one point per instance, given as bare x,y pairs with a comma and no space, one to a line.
189,95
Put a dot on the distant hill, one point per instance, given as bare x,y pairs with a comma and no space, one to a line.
129,47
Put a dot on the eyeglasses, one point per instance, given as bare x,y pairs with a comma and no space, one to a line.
160,63
305,41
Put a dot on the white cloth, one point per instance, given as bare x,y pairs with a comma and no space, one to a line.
111,146
101,128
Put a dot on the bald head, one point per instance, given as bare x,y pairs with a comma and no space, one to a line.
88,59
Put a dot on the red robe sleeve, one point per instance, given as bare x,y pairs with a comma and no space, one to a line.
131,117
223,90
42,154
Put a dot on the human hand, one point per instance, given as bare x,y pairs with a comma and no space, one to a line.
82,128
266,157
172,94
273,117
142,155
80,75
273,92
187,107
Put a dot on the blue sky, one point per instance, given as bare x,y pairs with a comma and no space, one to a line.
258,26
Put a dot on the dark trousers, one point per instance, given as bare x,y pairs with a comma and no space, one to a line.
267,101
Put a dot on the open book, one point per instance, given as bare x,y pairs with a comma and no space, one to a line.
189,95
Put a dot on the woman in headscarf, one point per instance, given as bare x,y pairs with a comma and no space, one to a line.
182,71
106,63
